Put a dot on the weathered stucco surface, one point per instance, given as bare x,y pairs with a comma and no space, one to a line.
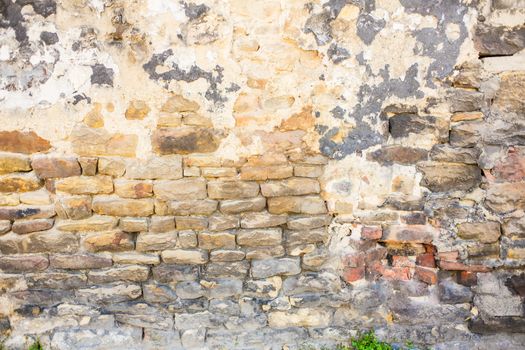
259,174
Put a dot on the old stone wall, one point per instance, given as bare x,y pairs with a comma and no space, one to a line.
232,174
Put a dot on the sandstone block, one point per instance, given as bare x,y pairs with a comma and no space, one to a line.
177,103
162,223
218,172
49,241
133,188
19,182
505,197
398,154
76,207
24,263
214,240
137,110
99,142
297,205
227,255
466,134
188,239
112,166
308,222
485,232
222,222
307,170
156,241
114,206
290,187
233,269
264,289
409,233
9,199
191,222
11,163
155,168
94,223
232,189
259,237
185,140
50,167
22,142
274,267
445,153
40,197
130,273
110,293
261,253
317,235
5,226
202,160
181,256
113,241
193,207
56,280
262,173
131,224
79,261
498,40
31,225
185,189
510,95
236,206
260,220
26,212
85,185
304,317
88,165
440,177
136,258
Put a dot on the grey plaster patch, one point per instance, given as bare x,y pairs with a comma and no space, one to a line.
193,11
337,53
214,78
49,38
368,27
371,125
434,42
102,75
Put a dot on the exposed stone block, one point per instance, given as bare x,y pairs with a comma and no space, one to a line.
115,206
22,142
85,185
296,205
49,167
232,189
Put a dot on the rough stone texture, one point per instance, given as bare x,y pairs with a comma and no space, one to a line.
262,174
22,142
46,167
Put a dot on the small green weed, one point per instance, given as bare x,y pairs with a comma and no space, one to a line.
36,346
366,341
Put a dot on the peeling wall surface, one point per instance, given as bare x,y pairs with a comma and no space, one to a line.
264,174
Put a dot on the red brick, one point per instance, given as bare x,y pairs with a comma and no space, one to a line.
371,232
402,261
457,266
375,254
352,274
448,256
354,260
396,273
426,260
468,278
426,275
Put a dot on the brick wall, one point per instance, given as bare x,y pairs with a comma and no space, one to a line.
261,175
